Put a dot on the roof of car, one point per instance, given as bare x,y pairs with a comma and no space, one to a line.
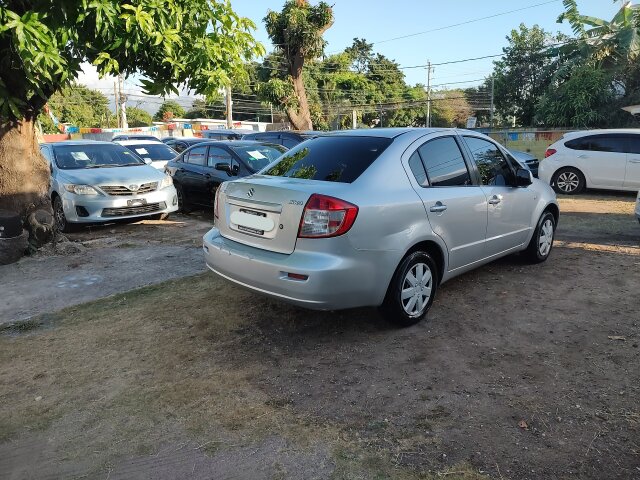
138,142
378,132
80,142
602,131
187,139
235,143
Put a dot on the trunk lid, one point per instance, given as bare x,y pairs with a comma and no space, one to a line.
264,212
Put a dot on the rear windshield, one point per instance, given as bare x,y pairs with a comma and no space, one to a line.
258,156
74,157
331,158
154,151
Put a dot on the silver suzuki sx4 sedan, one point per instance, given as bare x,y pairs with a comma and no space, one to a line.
378,217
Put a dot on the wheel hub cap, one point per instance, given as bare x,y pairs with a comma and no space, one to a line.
568,182
545,239
416,289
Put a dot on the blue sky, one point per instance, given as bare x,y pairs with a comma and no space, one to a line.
377,20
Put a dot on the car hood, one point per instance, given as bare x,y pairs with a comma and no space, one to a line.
112,176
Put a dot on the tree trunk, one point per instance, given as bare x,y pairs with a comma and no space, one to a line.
24,173
300,119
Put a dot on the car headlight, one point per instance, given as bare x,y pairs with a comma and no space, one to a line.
80,189
166,181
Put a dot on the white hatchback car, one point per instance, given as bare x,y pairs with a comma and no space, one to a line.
607,159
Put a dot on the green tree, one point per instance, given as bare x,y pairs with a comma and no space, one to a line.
78,105
168,110
524,73
136,117
296,32
611,43
583,100
195,44
450,108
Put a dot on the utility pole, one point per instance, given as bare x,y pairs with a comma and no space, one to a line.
429,69
271,107
354,119
116,102
380,108
229,107
122,100
491,114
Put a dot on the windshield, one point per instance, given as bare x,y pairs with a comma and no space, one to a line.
74,157
155,152
258,156
330,158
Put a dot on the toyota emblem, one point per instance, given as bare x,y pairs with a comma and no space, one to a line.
134,188
250,192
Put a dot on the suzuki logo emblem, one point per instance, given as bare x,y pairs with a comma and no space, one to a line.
133,188
250,192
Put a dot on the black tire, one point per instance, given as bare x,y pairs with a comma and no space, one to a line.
393,309
183,204
571,181
535,253
60,219
159,216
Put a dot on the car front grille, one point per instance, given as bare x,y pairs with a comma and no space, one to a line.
137,210
121,190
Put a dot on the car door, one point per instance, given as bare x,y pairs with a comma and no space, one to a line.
510,208
632,172
191,175
602,158
214,177
456,206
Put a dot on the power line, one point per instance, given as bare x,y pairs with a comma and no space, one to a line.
467,22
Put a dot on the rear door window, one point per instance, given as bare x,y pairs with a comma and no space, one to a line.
633,143
492,164
197,156
444,163
218,155
598,143
332,158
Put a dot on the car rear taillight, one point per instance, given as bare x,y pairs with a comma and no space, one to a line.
215,204
326,217
549,152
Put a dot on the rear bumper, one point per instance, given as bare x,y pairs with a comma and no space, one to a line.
638,208
106,208
348,279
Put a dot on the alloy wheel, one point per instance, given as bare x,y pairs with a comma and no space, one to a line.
58,214
416,289
568,182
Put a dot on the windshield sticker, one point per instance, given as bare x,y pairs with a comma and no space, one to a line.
80,156
256,154
142,151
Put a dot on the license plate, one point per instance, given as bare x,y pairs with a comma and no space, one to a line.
136,202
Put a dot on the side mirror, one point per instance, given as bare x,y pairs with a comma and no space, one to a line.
148,161
523,177
227,167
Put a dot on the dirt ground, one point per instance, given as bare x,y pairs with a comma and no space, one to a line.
520,372
103,260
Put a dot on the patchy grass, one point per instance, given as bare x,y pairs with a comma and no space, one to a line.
125,375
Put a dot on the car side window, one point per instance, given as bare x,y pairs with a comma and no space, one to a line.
633,143
492,164
444,163
416,166
218,155
598,143
46,153
197,156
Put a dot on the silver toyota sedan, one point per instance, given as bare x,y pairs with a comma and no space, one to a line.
102,181
378,217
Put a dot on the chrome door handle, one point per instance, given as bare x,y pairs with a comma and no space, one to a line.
438,207
494,200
